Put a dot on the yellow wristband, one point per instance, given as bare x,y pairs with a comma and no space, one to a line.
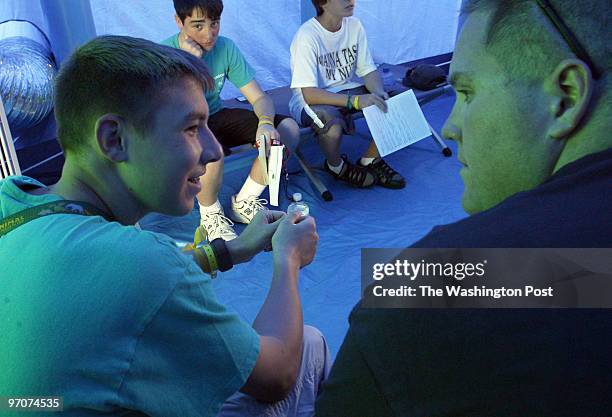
356,103
205,257
265,122
212,260
201,259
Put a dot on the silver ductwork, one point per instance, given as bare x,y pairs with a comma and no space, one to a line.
27,70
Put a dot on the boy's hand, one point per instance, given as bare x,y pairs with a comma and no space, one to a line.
189,45
295,240
367,100
256,237
270,133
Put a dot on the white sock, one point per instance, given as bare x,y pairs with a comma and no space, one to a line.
251,188
366,161
215,208
335,169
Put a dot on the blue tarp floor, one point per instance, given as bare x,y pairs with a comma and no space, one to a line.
355,219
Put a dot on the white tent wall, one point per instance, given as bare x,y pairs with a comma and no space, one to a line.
398,30
262,29
404,30
30,10
66,23
70,25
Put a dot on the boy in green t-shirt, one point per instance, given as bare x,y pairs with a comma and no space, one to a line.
116,320
199,24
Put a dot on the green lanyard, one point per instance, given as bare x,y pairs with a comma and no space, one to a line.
55,207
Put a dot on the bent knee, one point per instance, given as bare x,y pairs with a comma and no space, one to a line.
314,340
289,125
289,132
316,357
334,132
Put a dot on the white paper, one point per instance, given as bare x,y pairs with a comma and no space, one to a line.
402,125
275,166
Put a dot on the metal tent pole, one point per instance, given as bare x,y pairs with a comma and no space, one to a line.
8,157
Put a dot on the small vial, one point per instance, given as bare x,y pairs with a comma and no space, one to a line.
298,205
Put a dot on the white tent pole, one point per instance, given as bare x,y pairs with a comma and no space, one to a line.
8,157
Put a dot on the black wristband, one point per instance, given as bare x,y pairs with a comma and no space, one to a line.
224,259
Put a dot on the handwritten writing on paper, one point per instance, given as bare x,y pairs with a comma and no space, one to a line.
402,125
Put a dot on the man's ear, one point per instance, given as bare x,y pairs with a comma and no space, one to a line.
572,87
110,136
178,21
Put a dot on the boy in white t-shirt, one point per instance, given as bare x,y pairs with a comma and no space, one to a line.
328,52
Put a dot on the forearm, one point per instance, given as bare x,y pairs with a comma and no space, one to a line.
264,107
373,83
314,95
281,313
237,251
279,322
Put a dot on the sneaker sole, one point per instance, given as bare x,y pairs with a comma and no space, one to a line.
396,186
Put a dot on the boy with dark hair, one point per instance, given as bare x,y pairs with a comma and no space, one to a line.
199,22
327,52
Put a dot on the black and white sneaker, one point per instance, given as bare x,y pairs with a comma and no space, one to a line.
354,175
385,175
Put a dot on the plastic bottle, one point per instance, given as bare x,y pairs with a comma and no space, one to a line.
387,78
298,205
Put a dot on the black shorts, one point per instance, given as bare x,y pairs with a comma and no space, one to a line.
235,127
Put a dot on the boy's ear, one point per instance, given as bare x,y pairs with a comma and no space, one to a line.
572,88
111,138
179,22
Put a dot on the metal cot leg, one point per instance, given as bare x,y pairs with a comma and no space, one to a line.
318,184
446,151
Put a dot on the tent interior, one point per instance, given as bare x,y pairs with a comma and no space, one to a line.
401,33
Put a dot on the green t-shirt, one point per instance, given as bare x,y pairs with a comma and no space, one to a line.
224,61
112,318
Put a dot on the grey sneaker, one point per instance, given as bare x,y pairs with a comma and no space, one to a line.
244,211
217,226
